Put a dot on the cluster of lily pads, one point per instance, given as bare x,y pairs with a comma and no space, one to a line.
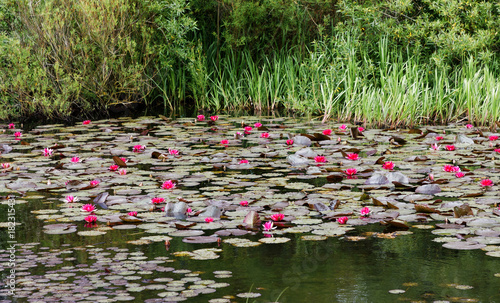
218,180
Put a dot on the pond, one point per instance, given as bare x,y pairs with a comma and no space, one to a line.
154,209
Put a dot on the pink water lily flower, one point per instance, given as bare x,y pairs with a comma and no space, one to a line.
497,150
209,219
189,210
94,183
122,172
264,135
289,142
71,199
90,219
124,160
439,138
365,211
486,182
12,126
214,118
435,146
243,161
320,159
88,207
47,152
139,148
468,126
459,174
132,214
5,165
169,184
277,217
268,226
75,159
350,171
353,156
86,122
157,200
224,142
200,118
450,168
342,220
173,151
244,203
343,127
493,138
361,129
18,135
327,132
389,165
450,147
257,125
114,167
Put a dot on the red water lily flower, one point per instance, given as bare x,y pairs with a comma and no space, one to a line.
468,126
214,118
289,142
343,127
209,219
224,142
277,217
352,156
157,200
320,159
327,132
365,211
459,174
75,159
486,182
389,165
173,151
257,125
200,118
450,147
86,122
450,168
350,171
132,213
169,184
244,203
12,126
439,138
114,167
342,220
90,219
361,129
94,183
493,138
88,207
264,135
243,161
139,148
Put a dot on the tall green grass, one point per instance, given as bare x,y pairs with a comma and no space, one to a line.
340,80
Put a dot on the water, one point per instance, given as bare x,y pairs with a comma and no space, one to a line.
368,264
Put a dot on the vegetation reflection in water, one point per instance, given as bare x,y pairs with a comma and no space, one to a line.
339,214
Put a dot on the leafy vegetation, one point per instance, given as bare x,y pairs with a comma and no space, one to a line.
381,62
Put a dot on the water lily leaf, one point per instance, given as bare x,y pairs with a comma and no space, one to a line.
464,245
428,189
398,224
274,240
119,161
423,208
463,210
201,239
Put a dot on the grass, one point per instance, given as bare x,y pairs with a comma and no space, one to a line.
338,80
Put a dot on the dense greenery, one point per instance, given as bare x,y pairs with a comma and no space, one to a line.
394,62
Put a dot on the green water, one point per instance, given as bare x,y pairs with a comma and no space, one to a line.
359,266
334,270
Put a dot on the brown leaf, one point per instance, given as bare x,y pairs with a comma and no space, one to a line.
422,208
462,210
119,161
